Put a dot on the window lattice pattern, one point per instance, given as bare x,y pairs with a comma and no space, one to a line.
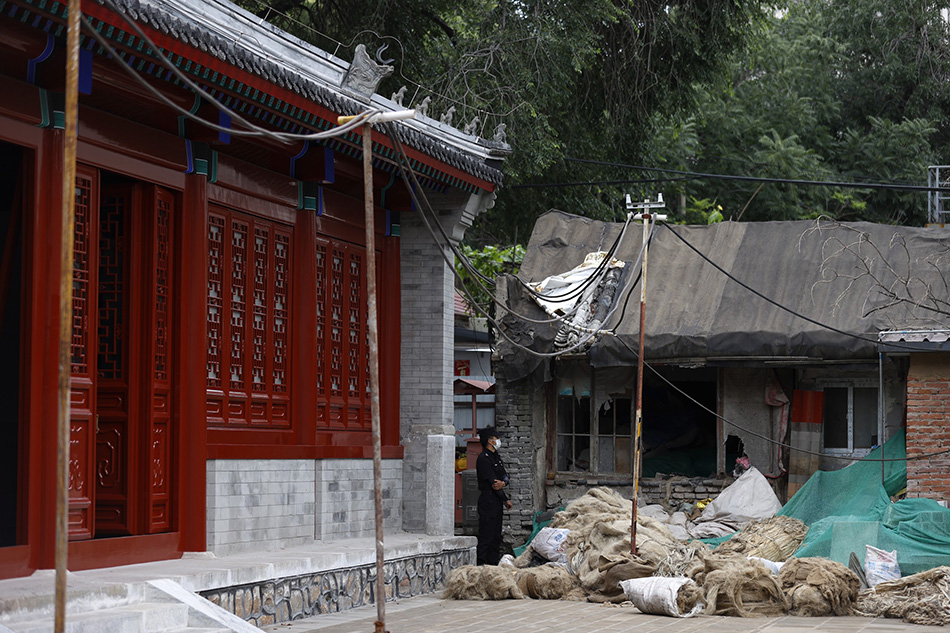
111,287
81,272
215,294
281,312
238,263
249,280
321,319
162,280
342,349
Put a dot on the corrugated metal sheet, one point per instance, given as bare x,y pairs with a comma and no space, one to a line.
696,312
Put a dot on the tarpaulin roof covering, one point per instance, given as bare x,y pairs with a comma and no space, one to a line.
826,271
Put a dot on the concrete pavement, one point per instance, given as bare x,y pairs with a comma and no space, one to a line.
429,614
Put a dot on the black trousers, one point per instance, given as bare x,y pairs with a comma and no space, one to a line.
490,513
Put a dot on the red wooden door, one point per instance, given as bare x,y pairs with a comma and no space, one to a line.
82,413
122,409
156,296
114,516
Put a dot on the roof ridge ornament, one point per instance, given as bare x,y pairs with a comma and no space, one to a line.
471,127
398,96
447,116
423,108
364,75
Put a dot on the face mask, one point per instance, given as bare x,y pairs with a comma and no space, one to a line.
497,444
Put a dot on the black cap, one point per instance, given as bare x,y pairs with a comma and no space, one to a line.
487,432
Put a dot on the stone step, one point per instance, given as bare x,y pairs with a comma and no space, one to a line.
145,617
34,599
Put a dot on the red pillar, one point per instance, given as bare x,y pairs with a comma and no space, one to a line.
192,370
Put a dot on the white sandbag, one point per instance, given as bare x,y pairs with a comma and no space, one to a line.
549,542
657,595
654,511
709,529
748,497
880,566
507,561
774,567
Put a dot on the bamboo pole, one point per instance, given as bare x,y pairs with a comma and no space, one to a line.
372,331
373,336
66,310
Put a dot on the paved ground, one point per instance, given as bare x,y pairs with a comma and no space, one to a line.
427,614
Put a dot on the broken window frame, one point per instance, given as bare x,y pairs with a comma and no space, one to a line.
850,386
583,430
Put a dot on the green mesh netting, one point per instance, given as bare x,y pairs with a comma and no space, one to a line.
849,508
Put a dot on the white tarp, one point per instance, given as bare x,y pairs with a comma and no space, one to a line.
566,284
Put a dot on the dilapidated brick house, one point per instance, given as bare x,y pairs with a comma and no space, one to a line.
729,372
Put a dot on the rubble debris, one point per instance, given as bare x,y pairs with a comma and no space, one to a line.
923,598
818,586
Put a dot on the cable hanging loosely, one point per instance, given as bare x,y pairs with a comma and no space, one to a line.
412,185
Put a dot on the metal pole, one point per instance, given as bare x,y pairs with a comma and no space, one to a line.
66,310
880,409
374,373
639,413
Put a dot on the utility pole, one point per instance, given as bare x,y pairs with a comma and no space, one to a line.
372,335
644,214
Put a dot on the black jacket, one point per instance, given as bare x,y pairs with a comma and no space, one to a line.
488,468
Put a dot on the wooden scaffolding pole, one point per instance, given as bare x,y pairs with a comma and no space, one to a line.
66,310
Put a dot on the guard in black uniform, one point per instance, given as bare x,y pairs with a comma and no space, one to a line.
492,501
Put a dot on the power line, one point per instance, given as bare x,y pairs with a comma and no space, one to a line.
789,181
592,183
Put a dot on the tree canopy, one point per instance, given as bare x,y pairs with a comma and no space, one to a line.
831,90
823,90
568,79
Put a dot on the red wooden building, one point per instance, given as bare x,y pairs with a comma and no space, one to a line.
219,293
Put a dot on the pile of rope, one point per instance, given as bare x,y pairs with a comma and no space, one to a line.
923,598
818,586
734,585
775,538
727,582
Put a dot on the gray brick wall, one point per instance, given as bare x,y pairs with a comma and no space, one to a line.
256,504
426,400
345,497
519,415
274,503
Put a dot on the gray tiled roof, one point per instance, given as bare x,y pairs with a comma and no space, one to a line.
238,38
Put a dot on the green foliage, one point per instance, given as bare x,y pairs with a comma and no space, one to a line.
577,79
489,261
703,211
830,90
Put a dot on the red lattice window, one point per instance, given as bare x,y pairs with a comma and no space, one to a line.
342,351
82,247
163,238
248,321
